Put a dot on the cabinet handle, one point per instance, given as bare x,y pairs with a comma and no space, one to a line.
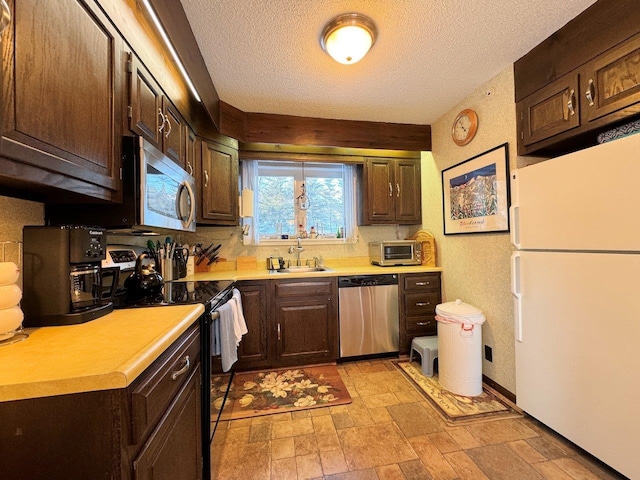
570,102
279,337
189,168
422,304
591,92
6,16
206,179
390,190
183,370
168,122
422,284
162,120
398,190
422,324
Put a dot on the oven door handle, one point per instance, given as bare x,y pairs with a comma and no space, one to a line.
192,200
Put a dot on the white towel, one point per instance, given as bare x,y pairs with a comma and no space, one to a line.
228,344
240,323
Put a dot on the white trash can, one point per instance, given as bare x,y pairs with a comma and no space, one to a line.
460,348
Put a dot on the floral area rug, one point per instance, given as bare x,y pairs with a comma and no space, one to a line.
457,409
277,391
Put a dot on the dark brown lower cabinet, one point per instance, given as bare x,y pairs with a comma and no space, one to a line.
173,451
305,313
150,430
419,295
254,352
295,322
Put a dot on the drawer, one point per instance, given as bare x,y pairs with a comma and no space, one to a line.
423,325
420,303
422,282
298,288
154,391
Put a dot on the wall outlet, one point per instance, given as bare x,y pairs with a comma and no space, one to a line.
488,353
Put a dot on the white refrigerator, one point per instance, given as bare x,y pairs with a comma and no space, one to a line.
575,222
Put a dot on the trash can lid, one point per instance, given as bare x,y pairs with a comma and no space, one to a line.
460,311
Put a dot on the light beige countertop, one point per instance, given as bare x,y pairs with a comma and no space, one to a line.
107,353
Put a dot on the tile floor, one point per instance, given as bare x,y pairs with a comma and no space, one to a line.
391,432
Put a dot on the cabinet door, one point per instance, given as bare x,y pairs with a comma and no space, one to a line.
146,117
408,194
174,449
63,97
611,81
218,184
550,111
190,151
304,321
379,183
254,349
303,330
173,137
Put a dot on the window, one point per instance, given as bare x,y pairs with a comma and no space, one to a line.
280,212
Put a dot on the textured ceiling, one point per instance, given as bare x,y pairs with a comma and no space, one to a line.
265,55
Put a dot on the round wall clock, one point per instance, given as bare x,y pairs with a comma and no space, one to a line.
465,127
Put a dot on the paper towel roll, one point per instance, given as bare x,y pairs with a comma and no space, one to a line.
10,296
10,319
9,273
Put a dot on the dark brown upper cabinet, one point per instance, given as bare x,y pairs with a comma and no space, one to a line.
153,116
550,111
217,181
583,80
63,97
390,192
611,82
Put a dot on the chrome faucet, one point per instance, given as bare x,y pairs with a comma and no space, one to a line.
297,251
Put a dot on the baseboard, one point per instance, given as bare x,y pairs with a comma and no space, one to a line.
500,389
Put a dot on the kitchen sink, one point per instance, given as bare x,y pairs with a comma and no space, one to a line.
302,269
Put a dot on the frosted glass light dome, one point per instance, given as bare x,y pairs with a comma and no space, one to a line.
348,38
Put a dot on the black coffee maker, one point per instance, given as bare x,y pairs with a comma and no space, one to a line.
62,284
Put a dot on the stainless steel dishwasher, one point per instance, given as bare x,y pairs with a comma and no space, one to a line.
368,309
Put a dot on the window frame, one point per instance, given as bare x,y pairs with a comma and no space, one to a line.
252,169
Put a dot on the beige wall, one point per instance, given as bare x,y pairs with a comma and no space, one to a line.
15,214
476,266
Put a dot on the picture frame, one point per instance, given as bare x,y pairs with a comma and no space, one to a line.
476,193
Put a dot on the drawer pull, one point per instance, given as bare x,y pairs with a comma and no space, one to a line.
591,93
422,324
422,284
422,304
183,370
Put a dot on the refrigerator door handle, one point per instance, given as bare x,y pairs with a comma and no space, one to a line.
514,233
516,290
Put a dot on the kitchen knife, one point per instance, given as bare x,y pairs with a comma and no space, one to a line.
203,254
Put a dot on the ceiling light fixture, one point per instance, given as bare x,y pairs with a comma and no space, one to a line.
169,45
348,37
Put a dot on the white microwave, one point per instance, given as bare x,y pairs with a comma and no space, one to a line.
156,194
395,252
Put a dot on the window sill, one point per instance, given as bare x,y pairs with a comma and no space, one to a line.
306,241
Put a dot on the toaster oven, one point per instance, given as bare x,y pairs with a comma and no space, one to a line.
395,252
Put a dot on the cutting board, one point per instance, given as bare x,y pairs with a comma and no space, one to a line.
246,263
